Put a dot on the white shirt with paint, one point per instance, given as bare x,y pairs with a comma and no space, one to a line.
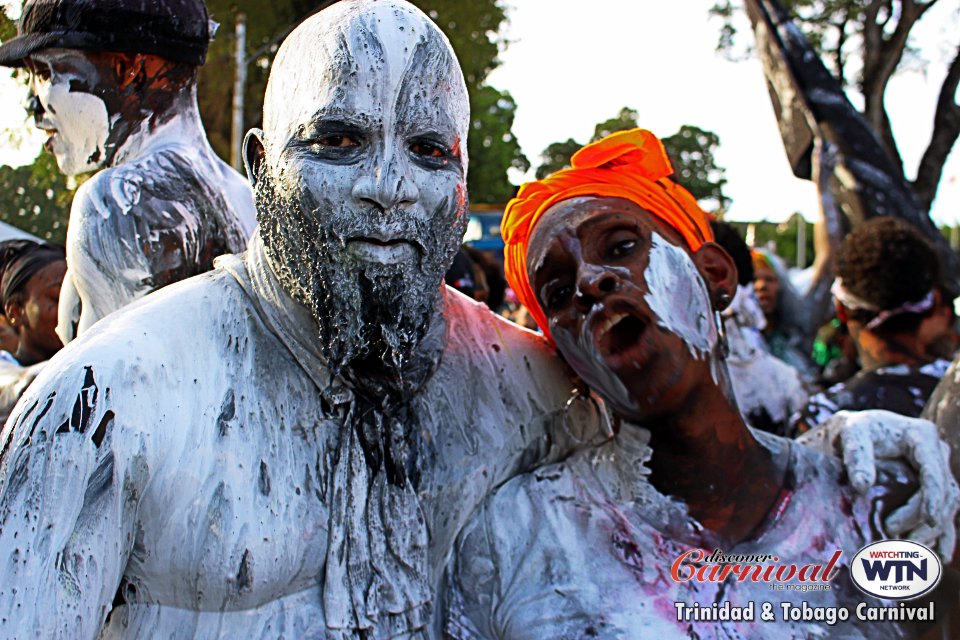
583,549
206,502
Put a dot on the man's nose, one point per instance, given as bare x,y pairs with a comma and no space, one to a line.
33,106
593,284
388,183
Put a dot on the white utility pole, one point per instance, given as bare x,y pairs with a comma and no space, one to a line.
239,84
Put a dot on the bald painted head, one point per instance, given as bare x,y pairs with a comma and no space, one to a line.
360,174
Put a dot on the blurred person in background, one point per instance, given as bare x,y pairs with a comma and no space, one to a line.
768,390
31,274
114,86
785,336
886,293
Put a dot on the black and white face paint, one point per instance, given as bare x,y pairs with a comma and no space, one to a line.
362,194
76,120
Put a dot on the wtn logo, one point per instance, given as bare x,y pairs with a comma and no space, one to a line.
903,570
895,569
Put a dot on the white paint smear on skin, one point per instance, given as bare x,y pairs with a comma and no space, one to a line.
679,297
82,125
593,368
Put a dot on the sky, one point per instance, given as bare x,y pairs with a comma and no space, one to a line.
569,68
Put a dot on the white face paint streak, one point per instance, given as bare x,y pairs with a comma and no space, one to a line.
593,368
679,297
77,122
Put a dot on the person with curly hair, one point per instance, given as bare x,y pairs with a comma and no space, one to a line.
886,294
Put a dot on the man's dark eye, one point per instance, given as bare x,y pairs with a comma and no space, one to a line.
623,248
338,141
39,71
427,150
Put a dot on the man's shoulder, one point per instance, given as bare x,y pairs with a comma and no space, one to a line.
166,174
186,312
473,324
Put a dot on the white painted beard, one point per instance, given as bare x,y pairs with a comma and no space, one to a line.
376,312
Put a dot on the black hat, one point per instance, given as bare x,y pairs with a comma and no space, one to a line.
174,29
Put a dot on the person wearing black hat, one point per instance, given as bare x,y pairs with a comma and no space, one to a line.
30,277
113,83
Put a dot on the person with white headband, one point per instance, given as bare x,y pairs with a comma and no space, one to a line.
886,293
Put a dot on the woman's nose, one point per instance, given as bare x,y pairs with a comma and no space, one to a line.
593,285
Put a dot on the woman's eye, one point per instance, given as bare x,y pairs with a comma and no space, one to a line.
427,150
337,141
623,248
558,297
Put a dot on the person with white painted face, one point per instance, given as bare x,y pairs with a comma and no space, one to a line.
113,84
618,265
768,390
295,454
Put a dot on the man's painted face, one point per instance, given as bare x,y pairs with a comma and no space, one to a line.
361,197
626,305
65,104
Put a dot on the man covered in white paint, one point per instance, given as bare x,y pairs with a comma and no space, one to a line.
114,86
296,454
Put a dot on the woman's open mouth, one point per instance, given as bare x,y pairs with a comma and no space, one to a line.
619,333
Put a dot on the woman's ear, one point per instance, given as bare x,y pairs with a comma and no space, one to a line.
719,271
13,311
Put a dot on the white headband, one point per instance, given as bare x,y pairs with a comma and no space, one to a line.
850,301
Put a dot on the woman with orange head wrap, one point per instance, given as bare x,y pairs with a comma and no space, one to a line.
617,264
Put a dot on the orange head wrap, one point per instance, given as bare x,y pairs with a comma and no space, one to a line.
632,165
761,261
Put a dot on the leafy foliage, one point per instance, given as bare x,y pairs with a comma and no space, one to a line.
556,156
472,28
36,198
492,146
690,151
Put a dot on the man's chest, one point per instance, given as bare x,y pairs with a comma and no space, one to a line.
237,514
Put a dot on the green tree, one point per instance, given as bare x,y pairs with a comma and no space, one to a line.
627,119
472,27
36,198
492,146
556,156
866,42
691,153
690,150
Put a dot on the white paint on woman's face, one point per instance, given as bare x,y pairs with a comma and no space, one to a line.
77,122
678,296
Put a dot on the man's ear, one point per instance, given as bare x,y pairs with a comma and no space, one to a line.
254,154
719,271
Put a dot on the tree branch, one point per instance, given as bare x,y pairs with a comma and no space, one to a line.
946,130
881,58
